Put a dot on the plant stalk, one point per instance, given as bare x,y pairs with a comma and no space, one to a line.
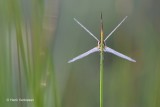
101,63
101,79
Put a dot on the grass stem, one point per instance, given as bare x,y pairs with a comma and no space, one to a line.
101,79
101,64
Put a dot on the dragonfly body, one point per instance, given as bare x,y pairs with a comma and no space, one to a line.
101,43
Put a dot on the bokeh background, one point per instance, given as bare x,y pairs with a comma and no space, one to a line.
38,37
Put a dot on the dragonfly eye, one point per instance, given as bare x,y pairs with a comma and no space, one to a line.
99,44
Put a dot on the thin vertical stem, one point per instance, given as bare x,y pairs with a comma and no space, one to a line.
101,79
101,64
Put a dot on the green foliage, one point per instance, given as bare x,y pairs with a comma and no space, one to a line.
26,68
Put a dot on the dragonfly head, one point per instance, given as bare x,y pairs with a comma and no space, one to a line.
99,44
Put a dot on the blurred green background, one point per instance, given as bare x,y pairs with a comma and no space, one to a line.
38,37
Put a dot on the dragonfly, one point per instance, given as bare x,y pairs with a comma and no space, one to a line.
98,47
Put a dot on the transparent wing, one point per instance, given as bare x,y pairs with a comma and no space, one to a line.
84,54
115,28
107,49
86,29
